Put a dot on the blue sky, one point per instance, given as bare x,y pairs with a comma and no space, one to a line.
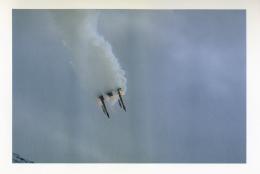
186,97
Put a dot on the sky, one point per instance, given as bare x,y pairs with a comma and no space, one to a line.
185,99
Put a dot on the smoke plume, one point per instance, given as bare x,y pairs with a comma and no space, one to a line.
93,60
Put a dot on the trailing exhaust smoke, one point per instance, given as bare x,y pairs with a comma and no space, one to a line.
93,60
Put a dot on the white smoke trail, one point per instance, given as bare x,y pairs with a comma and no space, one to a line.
93,60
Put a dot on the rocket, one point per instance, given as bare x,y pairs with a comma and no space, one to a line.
118,93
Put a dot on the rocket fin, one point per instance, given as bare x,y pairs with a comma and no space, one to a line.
104,108
121,99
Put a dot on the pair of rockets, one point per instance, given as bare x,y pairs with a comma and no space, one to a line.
118,93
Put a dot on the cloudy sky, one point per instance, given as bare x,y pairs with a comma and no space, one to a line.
186,84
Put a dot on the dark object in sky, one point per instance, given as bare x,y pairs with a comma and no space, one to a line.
120,100
104,108
18,159
111,95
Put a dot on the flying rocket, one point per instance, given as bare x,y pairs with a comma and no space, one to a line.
113,94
